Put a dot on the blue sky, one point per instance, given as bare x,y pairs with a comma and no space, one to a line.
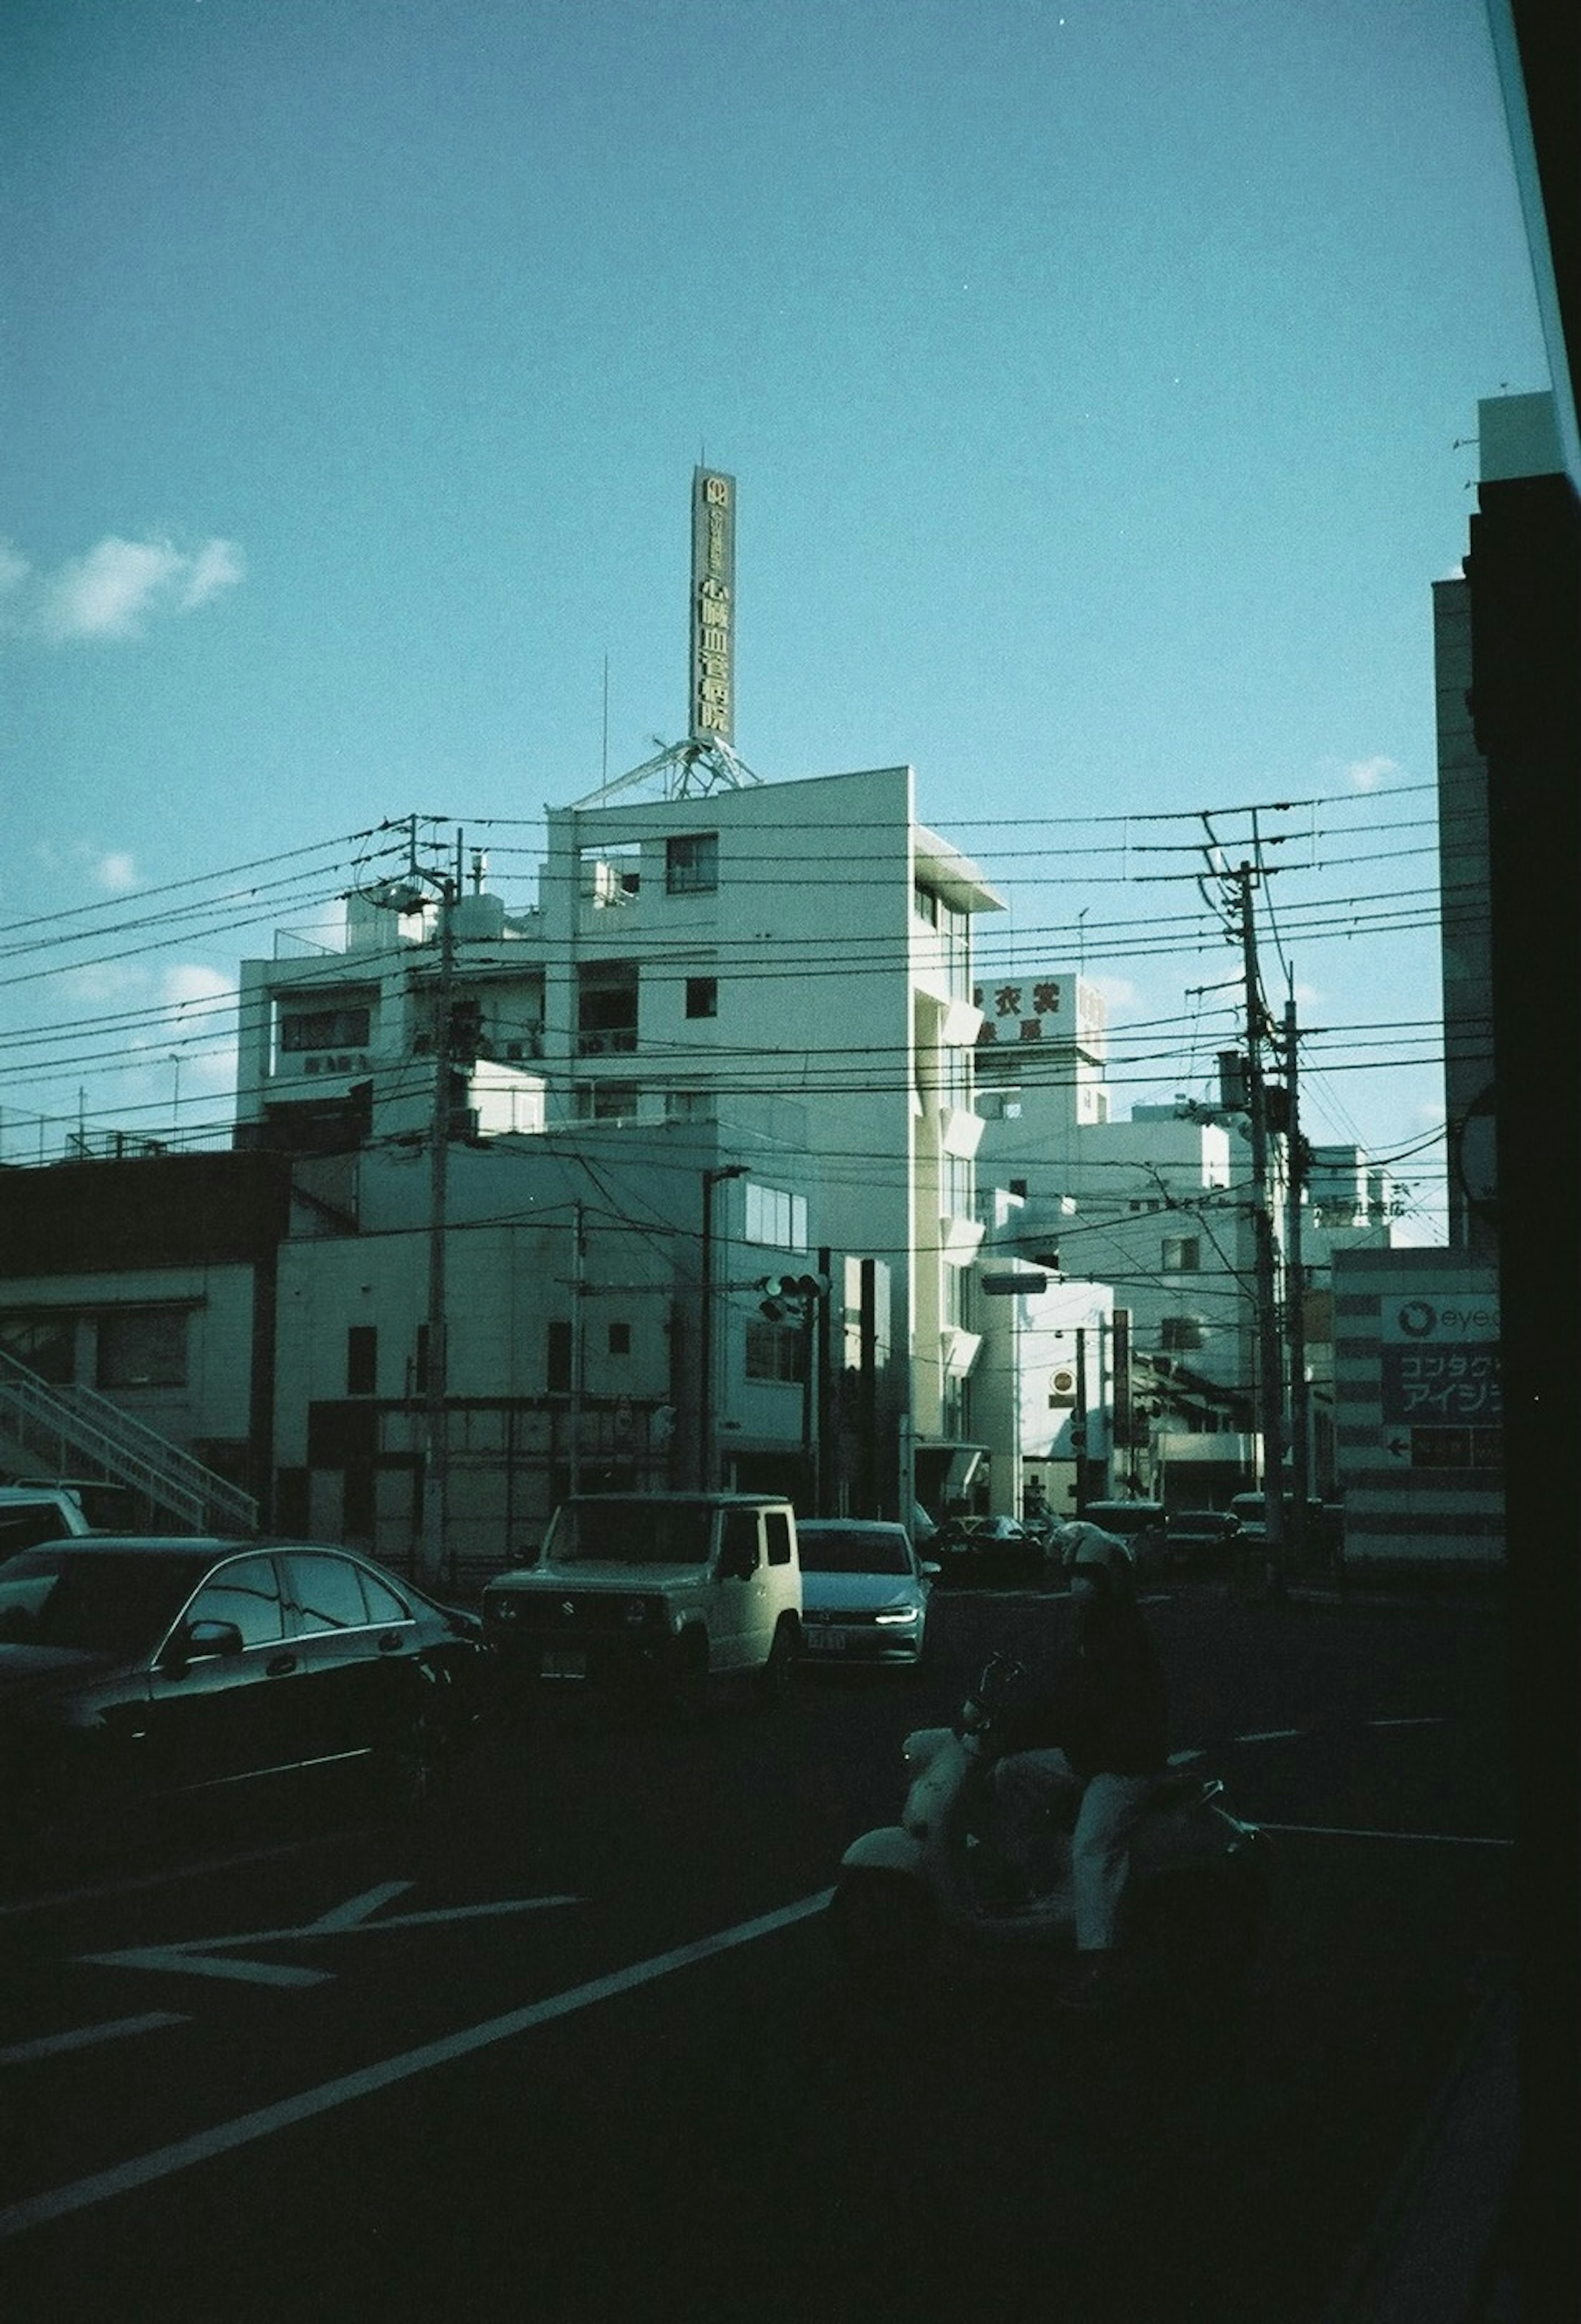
1092,372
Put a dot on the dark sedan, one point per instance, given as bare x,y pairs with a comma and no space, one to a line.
975,1553
134,1671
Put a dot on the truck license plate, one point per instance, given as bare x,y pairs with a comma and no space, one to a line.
564,1662
826,1642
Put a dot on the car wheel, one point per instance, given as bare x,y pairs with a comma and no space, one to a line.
885,1927
409,1777
774,1680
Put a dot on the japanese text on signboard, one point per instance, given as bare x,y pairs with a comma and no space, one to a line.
713,605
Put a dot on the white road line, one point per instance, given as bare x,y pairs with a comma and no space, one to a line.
355,1910
224,2138
1408,1722
1274,1735
1342,1831
85,2037
210,1956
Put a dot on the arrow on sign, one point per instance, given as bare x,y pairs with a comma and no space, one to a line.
211,1956
1398,1447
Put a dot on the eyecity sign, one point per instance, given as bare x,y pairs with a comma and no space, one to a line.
1411,1322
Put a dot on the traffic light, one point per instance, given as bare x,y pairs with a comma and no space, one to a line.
790,1298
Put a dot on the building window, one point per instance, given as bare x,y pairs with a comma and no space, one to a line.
619,1339
692,864
46,1344
776,1352
324,1029
558,1359
703,996
607,1100
773,1218
1179,1333
606,1008
145,1347
362,1359
1182,1254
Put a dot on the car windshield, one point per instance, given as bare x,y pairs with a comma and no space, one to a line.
81,1597
25,1524
631,1533
852,1552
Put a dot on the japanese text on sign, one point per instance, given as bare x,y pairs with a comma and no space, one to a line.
1443,1383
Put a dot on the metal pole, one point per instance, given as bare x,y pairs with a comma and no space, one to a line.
436,1448
1295,1303
1271,1370
573,1414
711,1179
1079,1421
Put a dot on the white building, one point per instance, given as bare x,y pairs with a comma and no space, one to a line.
1158,1208
786,967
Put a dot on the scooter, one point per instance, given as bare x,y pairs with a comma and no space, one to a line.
934,1887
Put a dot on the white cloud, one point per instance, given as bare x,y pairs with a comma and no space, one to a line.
217,566
116,874
191,982
1370,774
14,568
119,585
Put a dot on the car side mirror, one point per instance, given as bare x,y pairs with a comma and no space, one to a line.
201,1642
930,1570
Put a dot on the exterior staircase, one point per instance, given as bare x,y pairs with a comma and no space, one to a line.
73,1432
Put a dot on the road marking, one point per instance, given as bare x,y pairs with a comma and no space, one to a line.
265,2122
1274,1735
1342,1831
208,1956
1408,1722
84,2037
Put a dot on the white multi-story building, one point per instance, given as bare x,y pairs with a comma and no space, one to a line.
785,967
1159,1208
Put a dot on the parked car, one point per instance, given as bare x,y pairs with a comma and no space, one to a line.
1144,1524
978,1552
30,1514
1324,1526
864,1592
137,1669
1202,1539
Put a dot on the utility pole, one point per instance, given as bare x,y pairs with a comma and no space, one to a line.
1078,1422
711,1179
574,1411
436,1448
1271,1368
1295,1303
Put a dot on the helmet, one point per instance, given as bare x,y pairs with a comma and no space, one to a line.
1087,1550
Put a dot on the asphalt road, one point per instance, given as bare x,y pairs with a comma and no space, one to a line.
577,2048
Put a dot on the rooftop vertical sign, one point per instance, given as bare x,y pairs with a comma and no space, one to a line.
713,605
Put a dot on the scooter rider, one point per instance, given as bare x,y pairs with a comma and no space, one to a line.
1098,1731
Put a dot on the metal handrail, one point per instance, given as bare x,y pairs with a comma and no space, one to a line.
62,1426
